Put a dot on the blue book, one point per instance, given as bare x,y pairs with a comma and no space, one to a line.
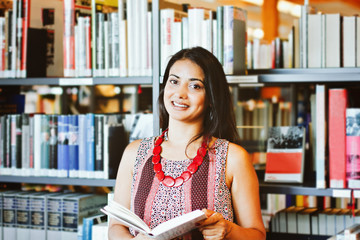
73,146
90,145
82,145
63,146
89,222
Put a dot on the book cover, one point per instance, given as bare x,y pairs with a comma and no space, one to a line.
90,145
73,145
23,220
234,40
168,230
82,145
63,146
75,208
353,147
53,145
99,146
285,154
320,141
337,136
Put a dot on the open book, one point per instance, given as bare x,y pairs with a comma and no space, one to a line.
167,230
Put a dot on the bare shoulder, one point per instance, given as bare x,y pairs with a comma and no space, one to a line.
130,152
238,160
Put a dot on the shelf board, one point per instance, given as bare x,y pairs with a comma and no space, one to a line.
77,81
307,75
292,189
60,181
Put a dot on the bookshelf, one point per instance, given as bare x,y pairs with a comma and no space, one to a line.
261,77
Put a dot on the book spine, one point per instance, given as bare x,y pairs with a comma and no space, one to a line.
19,37
82,145
69,41
337,137
130,16
22,216
2,46
90,145
31,144
99,146
73,146
100,51
13,39
25,26
148,70
333,42
94,33
25,145
166,27
38,217
88,50
53,145
123,48
16,134
196,16
320,136
352,147
228,37
349,41
54,218
9,215
220,33
45,145
108,41
63,145
142,21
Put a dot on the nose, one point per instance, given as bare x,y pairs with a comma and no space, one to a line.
182,91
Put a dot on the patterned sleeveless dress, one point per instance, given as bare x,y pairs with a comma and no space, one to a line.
155,203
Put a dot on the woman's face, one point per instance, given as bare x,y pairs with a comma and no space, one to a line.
184,93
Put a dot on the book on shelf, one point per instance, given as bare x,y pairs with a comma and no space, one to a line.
173,228
89,223
349,41
353,147
337,135
320,135
333,40
285,154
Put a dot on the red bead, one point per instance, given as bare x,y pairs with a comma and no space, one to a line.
168,181
160,175
193,168
159,141
198,160
157,150
201,151
156,159
157,167
178,181
186,175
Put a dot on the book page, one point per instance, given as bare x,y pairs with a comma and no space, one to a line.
178,226
125,216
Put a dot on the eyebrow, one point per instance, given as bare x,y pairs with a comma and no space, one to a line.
191,79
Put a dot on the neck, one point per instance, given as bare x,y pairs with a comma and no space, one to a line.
182,133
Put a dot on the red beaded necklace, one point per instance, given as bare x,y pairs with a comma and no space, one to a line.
186,175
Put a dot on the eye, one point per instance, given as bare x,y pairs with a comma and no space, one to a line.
173,81
196,86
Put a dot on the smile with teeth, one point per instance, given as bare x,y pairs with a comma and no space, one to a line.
180,105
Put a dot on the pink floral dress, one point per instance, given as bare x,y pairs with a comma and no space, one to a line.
156,203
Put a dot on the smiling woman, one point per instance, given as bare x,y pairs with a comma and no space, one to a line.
194,163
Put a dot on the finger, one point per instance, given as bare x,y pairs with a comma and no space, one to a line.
212,219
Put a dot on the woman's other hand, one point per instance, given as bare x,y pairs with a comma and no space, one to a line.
215,226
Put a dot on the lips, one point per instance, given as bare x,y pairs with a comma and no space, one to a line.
176,104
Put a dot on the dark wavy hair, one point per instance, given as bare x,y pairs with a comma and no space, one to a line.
219,120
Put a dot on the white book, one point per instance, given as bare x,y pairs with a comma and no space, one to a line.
115,58
314,40
37,144
166,32
168,230
320,136
148,70
357,42
196,17
131,15
143,19
185,32
87,47
106,49
123,48
333,40
349,41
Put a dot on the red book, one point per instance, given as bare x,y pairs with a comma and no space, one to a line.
25,22
285,154
69,38
337,137
353,147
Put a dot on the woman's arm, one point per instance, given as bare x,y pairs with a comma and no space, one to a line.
243,183
122,193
